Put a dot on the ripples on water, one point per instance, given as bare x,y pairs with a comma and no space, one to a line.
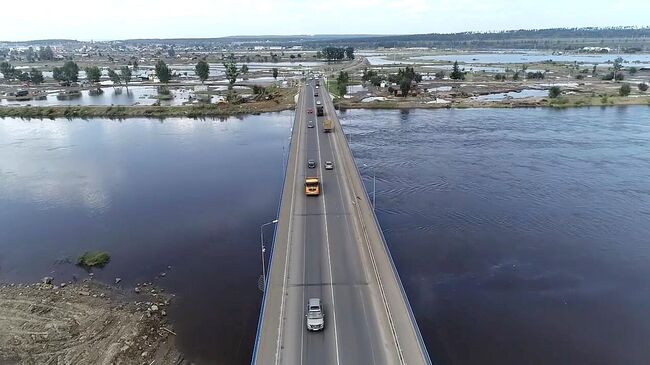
187,193
522,236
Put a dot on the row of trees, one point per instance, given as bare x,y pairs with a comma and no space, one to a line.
336,53
11,73
69,73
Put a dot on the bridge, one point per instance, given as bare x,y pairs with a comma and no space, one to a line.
330,247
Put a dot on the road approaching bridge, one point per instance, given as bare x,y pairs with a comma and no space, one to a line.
329,246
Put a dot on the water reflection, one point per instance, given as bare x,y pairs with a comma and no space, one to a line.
518,233
186,193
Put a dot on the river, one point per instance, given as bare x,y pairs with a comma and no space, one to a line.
521,235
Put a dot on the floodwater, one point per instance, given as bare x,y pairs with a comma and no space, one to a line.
134,95
190,194
639,60
522,236
523,94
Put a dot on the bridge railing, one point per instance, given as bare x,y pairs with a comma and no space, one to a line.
385,245
275,230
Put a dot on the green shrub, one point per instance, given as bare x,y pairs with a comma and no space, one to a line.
93,259
554,92
624,90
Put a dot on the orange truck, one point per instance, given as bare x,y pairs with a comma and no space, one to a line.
312,186
328,126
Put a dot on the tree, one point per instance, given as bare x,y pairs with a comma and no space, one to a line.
593,71
202,70
515,77
125,74
619,76
625,89
22,76
335,53
456,73
244,69
618,64
343,77
349,53
163,72
643,86
439,75
57,74
115,78
171,52
93,74
68,73
554,92
405,86
46,54
375,80
135,64
30,55
535,75
7,70
275,73
36,76
632,70
231,72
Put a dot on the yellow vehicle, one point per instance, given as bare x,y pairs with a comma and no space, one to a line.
312,186
328,126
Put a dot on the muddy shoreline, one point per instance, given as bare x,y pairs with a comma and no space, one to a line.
67,323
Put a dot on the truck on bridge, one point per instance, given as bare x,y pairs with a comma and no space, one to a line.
328,126
312,186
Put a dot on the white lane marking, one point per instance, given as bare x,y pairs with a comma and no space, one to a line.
304,280
327,239
337,157
374,265
286,262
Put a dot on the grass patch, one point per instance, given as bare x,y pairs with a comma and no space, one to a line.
93,259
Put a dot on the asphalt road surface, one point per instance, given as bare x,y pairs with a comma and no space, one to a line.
321,251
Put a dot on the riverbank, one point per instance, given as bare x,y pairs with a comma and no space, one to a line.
561,102
85,323
284,101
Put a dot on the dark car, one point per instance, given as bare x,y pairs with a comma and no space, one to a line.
310,111
311,164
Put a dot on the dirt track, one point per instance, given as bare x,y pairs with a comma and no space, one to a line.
84,323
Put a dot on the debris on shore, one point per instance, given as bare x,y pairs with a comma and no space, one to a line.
85,323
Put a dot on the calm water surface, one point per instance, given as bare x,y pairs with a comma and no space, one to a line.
521,236
185,193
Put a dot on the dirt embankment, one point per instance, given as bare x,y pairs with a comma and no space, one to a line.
85,323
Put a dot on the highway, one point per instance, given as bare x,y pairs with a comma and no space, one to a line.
330,247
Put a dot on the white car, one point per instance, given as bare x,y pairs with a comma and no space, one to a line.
315,315
329,165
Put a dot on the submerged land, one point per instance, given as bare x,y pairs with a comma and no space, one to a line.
51,322
228,76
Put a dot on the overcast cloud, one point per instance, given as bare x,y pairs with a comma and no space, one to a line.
121,19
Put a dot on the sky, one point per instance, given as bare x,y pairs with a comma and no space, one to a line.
127,19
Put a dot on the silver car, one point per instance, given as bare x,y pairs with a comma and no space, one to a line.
310,124
329,165
315,315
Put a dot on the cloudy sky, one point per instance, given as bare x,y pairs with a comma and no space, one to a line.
121,19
